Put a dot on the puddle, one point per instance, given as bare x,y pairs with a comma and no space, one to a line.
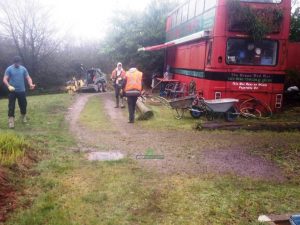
105,156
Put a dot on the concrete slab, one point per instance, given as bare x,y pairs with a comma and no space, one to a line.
105,156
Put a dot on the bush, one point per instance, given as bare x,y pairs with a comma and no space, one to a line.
292,78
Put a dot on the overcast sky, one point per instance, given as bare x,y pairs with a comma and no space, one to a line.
88,19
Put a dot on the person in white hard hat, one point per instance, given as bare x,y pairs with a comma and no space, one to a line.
118,76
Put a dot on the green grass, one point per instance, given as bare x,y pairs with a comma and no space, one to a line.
94,115
12,148
281,148
121,193
71,190
288,115
164,118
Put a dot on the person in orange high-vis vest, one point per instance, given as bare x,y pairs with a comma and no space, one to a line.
118,76
132,89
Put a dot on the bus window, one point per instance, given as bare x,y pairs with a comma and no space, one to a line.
192,9
248,52
199,7
210,4
178,17
174,19
185,10
262,1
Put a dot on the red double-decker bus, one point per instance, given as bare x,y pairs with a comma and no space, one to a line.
207,42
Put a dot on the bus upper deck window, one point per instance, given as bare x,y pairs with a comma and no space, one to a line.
262,1
199,7
210,4
174,19
248,52
192,9
185,10
178,16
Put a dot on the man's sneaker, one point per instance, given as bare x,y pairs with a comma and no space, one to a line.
11,122
24,118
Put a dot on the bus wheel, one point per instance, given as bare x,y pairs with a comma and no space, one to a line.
196,112
231,115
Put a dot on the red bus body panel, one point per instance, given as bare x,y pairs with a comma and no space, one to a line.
294,56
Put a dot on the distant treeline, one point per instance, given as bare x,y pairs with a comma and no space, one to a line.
27,30
51,60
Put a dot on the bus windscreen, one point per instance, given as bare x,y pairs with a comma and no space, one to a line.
248,52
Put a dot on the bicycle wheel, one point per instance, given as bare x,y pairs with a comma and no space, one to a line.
254,108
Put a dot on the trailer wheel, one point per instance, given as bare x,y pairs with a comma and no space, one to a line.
196,112
232,114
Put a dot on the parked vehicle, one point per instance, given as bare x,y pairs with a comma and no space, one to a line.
95,81
207,42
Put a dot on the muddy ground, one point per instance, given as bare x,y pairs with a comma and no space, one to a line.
7,195
185,152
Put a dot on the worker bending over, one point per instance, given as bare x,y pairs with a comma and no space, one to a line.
118,76
133,89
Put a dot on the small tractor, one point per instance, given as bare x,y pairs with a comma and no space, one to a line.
95,80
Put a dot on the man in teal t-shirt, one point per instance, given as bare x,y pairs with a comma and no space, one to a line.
14,78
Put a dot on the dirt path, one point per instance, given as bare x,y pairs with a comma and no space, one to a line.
73,119
185,152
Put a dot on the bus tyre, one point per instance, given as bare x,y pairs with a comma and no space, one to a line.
231,115
196,112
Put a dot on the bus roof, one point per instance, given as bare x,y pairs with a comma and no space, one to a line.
186,1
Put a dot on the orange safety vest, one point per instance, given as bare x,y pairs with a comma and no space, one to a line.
134,81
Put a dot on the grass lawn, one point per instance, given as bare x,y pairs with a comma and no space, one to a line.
164,118
71,190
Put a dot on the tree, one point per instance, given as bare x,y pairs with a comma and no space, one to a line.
295,3
28,24
132,30
295,22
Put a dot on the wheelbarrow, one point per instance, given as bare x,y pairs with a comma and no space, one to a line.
211,108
